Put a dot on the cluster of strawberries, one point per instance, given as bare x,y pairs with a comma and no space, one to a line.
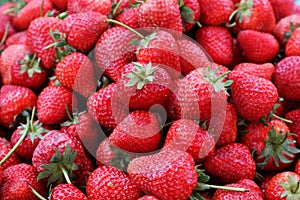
110,100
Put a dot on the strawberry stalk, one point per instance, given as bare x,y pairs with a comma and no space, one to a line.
5,35
42,8
38,195
282,119
125,26
117,7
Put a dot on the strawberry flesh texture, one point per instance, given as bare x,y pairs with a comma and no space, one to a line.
67,191
81,6
261,70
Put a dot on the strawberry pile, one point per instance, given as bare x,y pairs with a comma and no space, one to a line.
150,100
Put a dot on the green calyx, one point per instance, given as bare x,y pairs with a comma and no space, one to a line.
14,11
141,76
30,64
288,34
144,42
244,9
292,190
186,13
271,115
61,167
278,147
120,159
73,119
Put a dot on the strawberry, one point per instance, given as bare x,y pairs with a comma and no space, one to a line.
16,38
166,175
0,175
104,153
14,100
61,5
148,197
273,145
138,133
294,116
16,180
190,13
283,186
218,43
255,15
253,97
52,104
286,78
143,85
76,73
66,192
258,47
5,149
129,17
80,6
282,8
237,54
6,28
261,70
254,192
224,164
164,14
187,136
105,180
4,7
297,167
292,46
125,4
215,12
83,29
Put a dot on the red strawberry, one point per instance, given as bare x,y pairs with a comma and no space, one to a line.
16,38
297,167
166,175
294,116
104,153
164,14
283,186
254,192
83,29
258,47
190,13
129,17
61,5
66,192
255,15
5,149
14,99
52,104
253,97
16,180
5,7
187,136
261,70
105,180
215,12
80,6
6,28
237,54
282,8
148,197
143,85
0,175
224,164
138,133
292,45
286,78
218,43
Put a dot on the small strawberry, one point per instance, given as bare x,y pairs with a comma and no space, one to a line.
294,116
105,180
286,78
218,43
66,192
16,38
61,5
292,46
258,47
282,8
81,6
261,70
190,13
253,97
129,17
282,186
5,149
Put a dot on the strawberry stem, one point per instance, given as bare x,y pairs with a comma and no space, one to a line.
65,173
63,15
5,34
117,7
42,8
282,119
125,26
227,188
38,195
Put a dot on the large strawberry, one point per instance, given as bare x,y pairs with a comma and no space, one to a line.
282,8
80,6
292,46
294,116
66,192
261,70
5,149
253,97
105,180
286,77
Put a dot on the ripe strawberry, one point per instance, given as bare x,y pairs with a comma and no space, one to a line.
261,70
190,13
215,12
61,5
285,74
164,14
0,175
258,47
148,197
105,180
129,17
16,180
66,192
80,6
255,15
254,192
218,43
292,45
253,97
294,116
186,135
166,175
6,28
52,104
14,100
83,29
283,186
138,133
237,54
104,153
224,164
5,148
143,85
282,8
16,38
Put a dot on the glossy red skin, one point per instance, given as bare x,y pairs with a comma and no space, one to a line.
286,77
80,6
195,7
83,29
104,154
218,43
274,189
297,167
61,5
224,165
52,103
4,21
187,136
14,99
258,47
129,17
30,12
282,8
16,38
263,184
294,116
16,180
253,97
67,191
165,14
5,148
254,194
97,187
215,12
166,175
292,45
237,55
0,175
148,197
261,70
